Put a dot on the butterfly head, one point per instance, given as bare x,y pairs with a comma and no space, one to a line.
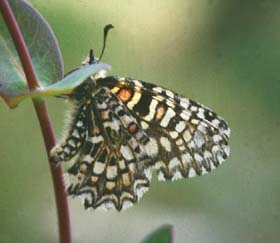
90,58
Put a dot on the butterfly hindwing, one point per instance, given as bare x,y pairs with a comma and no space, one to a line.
112,168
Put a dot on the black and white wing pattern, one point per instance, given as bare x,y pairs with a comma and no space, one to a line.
121,128
111,152
189,138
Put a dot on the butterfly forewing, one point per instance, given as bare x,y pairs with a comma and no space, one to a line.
189,139
122,128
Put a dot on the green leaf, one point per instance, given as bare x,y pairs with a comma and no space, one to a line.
62,87
160,235
42,46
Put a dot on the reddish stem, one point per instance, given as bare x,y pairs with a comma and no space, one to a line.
44,119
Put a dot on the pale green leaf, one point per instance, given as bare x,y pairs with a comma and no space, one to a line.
42,46
62,87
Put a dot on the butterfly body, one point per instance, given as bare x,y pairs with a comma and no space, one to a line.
121,129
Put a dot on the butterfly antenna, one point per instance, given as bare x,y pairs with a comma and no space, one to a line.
105,33
91,56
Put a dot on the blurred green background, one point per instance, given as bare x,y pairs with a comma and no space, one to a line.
224,54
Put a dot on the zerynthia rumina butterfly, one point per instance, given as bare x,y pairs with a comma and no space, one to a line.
120,129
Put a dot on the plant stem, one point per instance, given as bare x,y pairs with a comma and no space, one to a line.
44,120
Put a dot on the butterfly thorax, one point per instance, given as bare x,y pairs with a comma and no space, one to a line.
84,92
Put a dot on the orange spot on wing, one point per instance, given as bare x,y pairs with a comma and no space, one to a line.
125,94
160,112
133,128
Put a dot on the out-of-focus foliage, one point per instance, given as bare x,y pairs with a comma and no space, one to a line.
162,235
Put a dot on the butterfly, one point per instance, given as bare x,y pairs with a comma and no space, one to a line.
121,129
